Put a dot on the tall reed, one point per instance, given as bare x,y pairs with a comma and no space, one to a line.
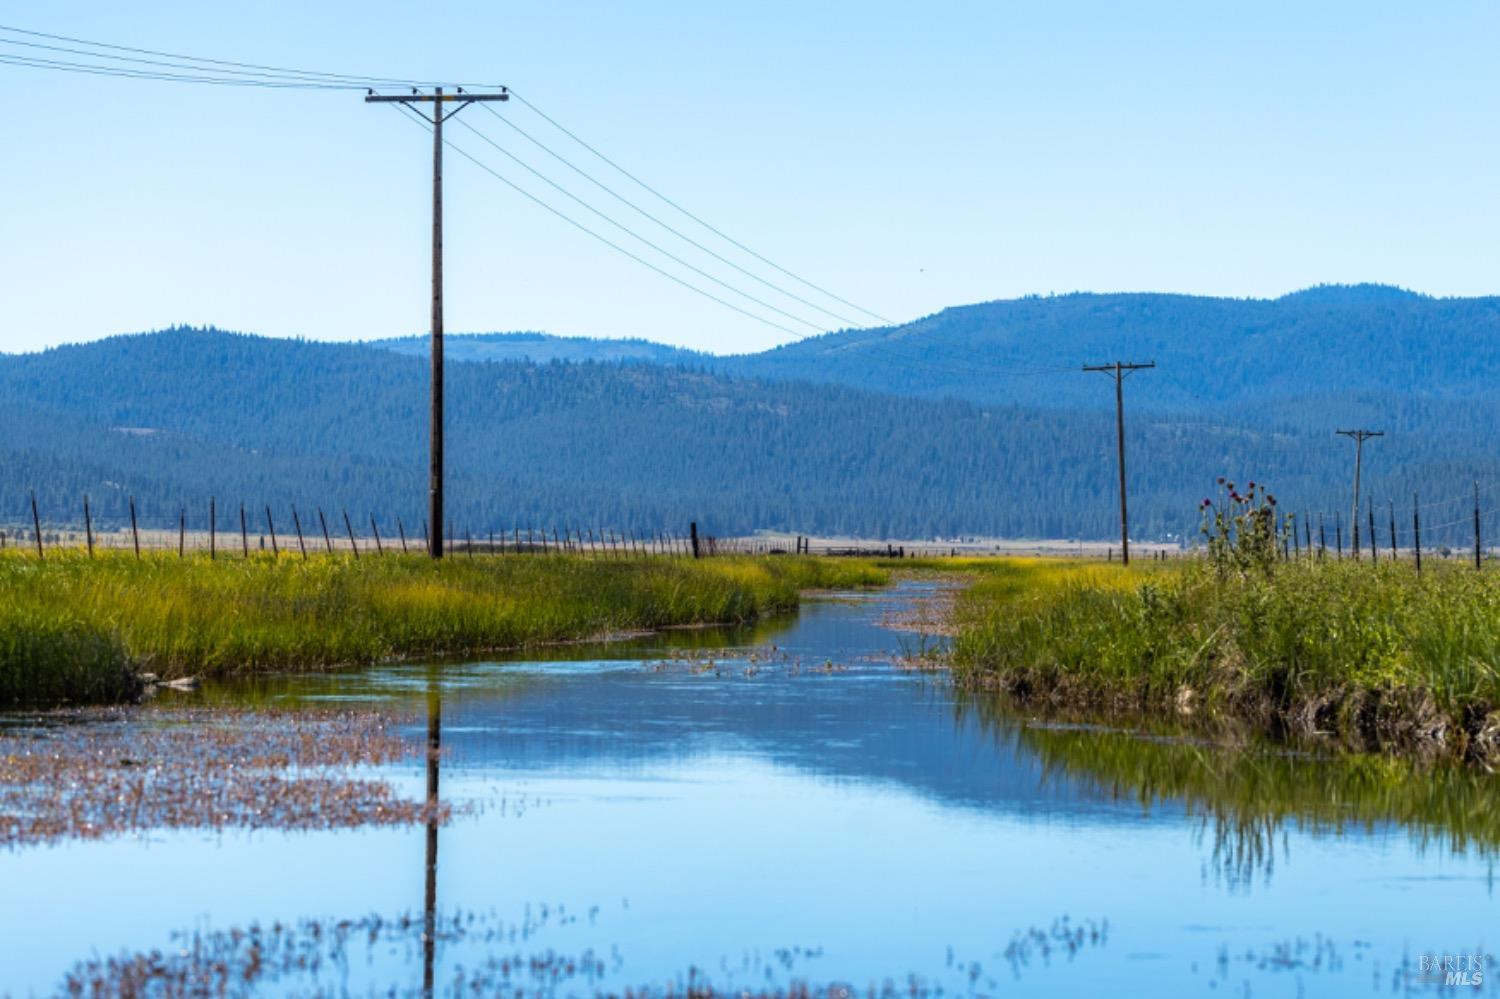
78,628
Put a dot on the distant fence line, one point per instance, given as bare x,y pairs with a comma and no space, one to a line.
259,529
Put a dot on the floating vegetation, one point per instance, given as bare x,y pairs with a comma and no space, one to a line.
96,772
313,957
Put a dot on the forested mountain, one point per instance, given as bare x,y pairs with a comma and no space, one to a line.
175,417
1212,352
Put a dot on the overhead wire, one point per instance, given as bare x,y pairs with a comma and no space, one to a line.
652,217
622,227
426,125
368,81
713,229
65,66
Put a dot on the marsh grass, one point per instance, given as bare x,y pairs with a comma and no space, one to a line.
1374,655
80,629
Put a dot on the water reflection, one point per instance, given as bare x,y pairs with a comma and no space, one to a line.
1248,796
429,905
713,800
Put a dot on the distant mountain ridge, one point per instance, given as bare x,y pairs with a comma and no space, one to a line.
541,348
1210,352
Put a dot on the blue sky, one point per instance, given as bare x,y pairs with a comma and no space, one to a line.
906,156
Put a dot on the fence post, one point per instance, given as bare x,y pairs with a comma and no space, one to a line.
1374,548
88,525
244,532
135,534
271,526
401,530
297,523
181,532
350,528
36,523
1416,528
379,548
324,522
1393,529
1477,564
693,533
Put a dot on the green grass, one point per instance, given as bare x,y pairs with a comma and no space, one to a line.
1378,655
79,629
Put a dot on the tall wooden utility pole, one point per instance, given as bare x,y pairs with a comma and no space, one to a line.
1359,437
1121,370
437,99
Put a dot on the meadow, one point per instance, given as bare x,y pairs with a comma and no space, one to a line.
75,629
1370,655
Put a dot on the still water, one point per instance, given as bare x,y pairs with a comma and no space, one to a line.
788,804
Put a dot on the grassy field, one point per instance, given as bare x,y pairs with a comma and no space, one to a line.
1375,656
76,630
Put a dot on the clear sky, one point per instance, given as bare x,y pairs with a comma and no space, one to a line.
907,156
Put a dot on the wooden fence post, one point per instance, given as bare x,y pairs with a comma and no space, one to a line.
1416,528
36,523
324,522
350,528
297,523
401,529
379,548
181,532
693,533
271,526
88,525
135,534
244,532
1477,563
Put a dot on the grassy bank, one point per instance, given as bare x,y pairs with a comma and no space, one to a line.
75,629
1374,656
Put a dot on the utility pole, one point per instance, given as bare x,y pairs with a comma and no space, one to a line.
437,99
1121,370
1359,437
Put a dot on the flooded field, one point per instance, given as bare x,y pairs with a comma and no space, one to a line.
787,809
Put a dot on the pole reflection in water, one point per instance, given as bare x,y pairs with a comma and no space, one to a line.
429,906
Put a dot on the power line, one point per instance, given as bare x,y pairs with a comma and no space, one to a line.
673,230
623,228
718,232
604,239
179,65
56,65
366,81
